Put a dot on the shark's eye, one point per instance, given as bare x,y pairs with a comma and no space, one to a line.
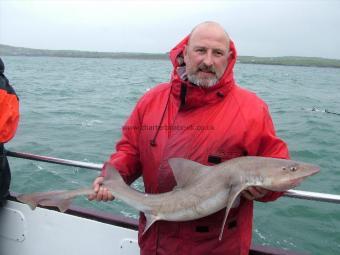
293,169
284,168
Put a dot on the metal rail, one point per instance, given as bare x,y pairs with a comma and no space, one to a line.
300,194
59,161
315,196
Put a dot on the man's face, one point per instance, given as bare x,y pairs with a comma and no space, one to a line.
206,56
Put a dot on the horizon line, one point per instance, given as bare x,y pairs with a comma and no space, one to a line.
157,53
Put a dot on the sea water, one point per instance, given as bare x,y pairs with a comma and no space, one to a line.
74,108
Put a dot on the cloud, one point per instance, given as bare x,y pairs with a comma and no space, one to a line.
260,28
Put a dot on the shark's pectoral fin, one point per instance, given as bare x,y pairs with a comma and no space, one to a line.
234,191
150,219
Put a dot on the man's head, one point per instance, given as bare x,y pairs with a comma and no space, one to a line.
206,55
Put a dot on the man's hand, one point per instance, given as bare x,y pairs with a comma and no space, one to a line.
253,193
100,192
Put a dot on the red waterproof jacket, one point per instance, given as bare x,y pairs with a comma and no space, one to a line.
207,125
9,108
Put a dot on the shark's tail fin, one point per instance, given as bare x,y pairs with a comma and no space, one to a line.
53,198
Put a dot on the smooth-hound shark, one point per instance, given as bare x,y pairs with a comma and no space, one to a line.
201,190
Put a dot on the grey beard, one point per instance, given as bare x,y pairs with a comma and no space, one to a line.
205,83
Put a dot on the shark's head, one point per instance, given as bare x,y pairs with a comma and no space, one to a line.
282,175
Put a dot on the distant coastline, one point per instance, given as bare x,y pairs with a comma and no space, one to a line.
6,50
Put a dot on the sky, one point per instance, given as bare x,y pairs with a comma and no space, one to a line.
266,28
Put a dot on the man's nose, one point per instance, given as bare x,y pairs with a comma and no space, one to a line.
208,59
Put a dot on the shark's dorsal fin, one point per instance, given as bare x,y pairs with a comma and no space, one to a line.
186,171
234,191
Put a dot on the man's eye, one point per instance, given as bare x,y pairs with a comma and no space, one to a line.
219,53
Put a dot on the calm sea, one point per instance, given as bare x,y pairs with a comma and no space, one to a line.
74,108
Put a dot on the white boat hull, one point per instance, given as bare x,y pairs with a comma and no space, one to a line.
43,231
78,231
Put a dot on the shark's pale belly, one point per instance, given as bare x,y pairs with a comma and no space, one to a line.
196,209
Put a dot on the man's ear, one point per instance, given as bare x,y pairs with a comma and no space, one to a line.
230,54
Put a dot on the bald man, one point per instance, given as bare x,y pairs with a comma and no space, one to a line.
201,114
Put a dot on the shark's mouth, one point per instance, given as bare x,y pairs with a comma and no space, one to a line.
297,182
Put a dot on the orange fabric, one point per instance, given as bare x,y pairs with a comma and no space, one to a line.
9,115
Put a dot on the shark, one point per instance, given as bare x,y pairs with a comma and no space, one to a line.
200,191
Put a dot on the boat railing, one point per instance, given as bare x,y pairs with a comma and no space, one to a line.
292,193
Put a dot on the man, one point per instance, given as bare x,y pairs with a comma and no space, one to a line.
204,116
9,118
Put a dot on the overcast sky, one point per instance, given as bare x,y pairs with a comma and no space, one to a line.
259,28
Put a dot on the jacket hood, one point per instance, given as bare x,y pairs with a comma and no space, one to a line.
192,95
189,95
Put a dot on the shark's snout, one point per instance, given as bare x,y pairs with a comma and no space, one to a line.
307,170
312,169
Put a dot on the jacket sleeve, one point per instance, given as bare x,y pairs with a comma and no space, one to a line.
9,110
265,143
126,159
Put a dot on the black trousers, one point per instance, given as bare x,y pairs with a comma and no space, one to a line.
5,174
